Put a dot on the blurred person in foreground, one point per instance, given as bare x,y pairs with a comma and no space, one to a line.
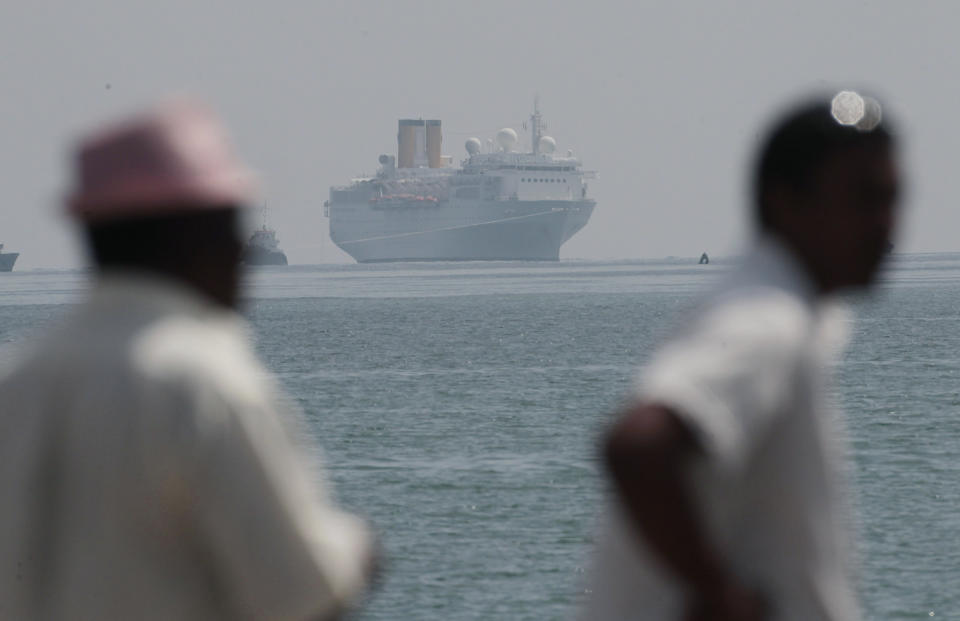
728,500
146,471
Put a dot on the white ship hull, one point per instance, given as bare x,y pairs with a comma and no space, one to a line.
457,230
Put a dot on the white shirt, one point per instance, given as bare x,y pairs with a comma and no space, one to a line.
746,377
145,474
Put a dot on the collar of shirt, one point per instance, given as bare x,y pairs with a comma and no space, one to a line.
769,263
141,293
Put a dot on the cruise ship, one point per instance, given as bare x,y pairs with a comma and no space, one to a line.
499,204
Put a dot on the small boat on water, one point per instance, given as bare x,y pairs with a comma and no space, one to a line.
7,259
263,248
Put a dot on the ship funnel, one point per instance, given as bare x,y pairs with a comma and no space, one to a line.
411,143
434,142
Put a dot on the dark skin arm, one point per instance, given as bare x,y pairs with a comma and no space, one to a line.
647,454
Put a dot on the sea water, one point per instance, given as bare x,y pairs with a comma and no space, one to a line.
459,407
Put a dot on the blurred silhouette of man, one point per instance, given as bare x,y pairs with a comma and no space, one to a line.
145,468
728,504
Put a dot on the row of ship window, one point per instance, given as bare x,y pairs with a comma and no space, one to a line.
542,180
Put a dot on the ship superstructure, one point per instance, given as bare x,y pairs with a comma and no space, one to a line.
499,204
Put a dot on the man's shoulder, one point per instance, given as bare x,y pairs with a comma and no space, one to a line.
736,333
756,314
211,355
770,298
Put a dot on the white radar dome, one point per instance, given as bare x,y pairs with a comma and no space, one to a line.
548,144
473,146
506,138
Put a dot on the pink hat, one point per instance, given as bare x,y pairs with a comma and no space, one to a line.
177,158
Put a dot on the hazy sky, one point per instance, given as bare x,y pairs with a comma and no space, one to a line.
664,99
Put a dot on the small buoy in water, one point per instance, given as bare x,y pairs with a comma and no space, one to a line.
704,259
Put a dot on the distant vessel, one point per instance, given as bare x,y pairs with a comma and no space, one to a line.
7,259
498,205
263,248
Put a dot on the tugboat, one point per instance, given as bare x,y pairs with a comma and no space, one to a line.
7,259
263,248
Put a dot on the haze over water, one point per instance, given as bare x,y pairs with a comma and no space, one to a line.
458,406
